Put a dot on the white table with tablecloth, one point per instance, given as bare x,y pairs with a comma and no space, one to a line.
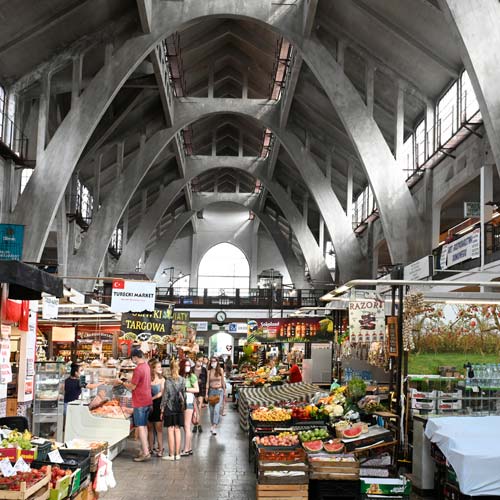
472,447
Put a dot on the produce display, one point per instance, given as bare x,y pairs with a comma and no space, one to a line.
110,409
17,439
57,473
313,435
271,414
13,483
285,439
353,432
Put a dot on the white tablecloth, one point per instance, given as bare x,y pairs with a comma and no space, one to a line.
472,447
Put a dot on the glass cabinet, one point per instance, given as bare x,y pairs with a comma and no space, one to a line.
48,404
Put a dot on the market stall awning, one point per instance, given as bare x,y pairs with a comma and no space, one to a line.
28,282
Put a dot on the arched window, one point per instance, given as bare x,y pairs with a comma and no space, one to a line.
223,267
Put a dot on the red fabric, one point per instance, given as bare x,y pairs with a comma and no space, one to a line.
141,395
11,311
25,314
295,375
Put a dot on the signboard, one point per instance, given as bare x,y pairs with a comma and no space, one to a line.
133,296
201,326
272,330
63,334
27,352
11,241
5,367
145,326
465,248
392,337
50,307
237,328
366,320
420,269
472,209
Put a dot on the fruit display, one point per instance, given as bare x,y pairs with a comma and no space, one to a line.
285,439
333,446
110,409
13,483
313,446
271,414
17,439
313,435
57,473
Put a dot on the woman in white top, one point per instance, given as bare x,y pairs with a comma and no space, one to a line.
273,371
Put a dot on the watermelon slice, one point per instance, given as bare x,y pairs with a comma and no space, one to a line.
333,447
353,432
313,446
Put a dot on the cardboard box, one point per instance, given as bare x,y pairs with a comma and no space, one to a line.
378,486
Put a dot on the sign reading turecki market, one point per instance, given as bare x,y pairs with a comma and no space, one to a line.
291,330
133,296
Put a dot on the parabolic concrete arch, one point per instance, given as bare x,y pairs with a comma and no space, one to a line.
351,261
47,185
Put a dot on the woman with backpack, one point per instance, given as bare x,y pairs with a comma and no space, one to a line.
192,389
173,404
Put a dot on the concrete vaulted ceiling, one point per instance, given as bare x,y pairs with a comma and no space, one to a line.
336,117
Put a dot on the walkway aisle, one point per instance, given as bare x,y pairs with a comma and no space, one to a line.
219,469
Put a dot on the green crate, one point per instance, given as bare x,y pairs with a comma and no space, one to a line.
378,486
76,479
61,490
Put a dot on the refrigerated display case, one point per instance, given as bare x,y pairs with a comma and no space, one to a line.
48,403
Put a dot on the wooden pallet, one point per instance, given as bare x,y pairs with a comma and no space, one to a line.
282,491
297,466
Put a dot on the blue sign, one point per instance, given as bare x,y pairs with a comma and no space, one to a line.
232,328
11,241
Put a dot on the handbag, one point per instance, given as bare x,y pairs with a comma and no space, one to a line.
213,400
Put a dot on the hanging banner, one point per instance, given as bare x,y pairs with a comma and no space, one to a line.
465,248
27,352
11,241
50,307
272,330
153,326
133,296
366,321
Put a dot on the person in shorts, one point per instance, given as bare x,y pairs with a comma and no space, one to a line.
142,401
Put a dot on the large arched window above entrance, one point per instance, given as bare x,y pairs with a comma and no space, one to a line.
224,267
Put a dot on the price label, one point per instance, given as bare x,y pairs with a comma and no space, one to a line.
6,468
55,457
475,388
21,465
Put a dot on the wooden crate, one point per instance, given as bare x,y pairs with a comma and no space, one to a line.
39,491
282,491
331,470
296,466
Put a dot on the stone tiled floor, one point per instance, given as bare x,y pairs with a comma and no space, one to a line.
218,469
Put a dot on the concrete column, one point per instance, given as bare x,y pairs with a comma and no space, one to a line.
305,207
240,144
97,182
328,171
76,81
214,143
62,239
244,92
43,115
430,120
475,25
120,152
486,195
108,53
370,86
349,191
436,224
211,83
400,124
193,279
322,234
254,271
341,46
125,227
72,209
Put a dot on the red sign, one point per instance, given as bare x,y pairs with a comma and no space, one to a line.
118,284
291,330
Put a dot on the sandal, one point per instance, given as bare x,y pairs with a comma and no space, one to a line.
159,453
186,453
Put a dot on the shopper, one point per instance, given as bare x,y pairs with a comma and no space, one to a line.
202,374
140,385
294,374
215,393
272,368
155,428
172,410
192,388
